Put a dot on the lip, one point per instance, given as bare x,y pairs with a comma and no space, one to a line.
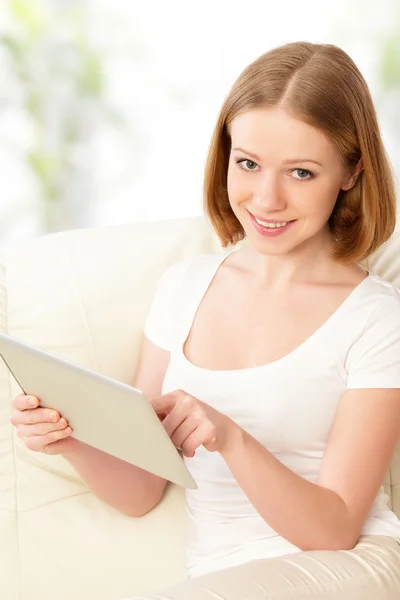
269,220
273,232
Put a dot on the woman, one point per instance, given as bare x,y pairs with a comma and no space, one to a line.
276,366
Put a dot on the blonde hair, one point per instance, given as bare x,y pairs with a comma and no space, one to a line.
320,85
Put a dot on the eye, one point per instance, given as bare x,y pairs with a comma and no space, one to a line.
303,174
246,164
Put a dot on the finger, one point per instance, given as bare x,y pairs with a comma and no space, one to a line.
188,407
174,419
196,439
25,431
24,402
38,443
191,443
35,415
165,403
182,433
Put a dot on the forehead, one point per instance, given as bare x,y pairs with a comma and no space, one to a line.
274,132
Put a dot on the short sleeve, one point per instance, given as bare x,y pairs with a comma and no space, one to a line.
161,319
373,360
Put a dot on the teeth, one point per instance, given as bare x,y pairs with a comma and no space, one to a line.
271,225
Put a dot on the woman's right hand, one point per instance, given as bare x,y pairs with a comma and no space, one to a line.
41,429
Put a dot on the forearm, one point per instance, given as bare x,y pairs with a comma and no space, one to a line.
308,515
130,489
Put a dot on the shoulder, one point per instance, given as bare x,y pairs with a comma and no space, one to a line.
375,317
382,298
176,292
372,359
383,287
174,276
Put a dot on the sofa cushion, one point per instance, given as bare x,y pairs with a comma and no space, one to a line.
84,295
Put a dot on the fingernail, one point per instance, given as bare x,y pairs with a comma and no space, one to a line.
52,415
32,401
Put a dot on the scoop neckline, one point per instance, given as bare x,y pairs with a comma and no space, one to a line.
327,323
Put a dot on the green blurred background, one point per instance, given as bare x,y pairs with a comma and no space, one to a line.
107,107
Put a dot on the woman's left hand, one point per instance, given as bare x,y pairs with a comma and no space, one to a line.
191,423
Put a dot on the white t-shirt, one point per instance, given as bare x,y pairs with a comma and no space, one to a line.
288,405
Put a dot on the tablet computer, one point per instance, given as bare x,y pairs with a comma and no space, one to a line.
102,412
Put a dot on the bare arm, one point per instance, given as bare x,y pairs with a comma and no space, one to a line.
329,514
130,489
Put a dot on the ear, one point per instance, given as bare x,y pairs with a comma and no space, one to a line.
352,178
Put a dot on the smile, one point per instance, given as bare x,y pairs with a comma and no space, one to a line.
272,224
270,228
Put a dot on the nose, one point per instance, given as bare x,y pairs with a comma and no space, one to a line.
268,196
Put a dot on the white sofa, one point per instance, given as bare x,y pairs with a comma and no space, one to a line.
84,295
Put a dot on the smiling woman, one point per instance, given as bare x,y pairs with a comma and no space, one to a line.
283,379
275,366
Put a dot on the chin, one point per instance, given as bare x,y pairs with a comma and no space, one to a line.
269,249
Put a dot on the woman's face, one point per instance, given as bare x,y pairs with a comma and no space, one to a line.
284,177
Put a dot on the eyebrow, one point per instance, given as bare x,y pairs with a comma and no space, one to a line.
290,161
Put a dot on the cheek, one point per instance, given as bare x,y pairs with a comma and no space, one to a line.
317,197
237,186
231,184
329,193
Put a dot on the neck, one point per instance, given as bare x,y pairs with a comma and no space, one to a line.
311,261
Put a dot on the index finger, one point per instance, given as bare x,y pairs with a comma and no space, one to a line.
164,404
25,402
